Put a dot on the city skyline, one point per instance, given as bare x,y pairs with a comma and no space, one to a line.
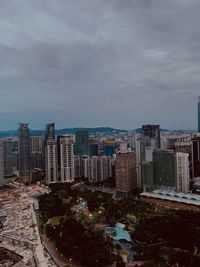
99,63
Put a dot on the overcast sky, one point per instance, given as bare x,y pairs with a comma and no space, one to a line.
118,63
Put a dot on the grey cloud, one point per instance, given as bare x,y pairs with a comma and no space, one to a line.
99,62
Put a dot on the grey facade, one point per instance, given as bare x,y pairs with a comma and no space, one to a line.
199,114
24,153
153,131
10,156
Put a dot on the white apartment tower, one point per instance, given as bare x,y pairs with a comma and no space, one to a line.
51,161
182,172
67,159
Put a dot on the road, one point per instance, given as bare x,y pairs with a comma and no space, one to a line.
58,259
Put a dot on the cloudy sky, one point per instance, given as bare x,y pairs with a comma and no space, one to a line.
118,63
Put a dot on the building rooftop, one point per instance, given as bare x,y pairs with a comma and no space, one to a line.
192,199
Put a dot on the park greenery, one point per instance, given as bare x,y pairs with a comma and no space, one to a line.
162,237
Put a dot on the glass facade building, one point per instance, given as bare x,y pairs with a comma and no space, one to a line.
164,169
81,142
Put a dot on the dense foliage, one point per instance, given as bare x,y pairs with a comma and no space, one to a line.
162,237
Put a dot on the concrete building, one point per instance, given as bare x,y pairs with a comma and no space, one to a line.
67,159
36,152
51,161
152,131
93,169
24,153
182,172
49,132
126,176
131,138
10,156
1,160
144,146
199,114
196,157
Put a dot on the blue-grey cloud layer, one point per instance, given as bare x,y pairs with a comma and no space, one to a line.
98,62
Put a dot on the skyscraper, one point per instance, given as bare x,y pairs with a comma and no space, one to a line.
67,159
51,161
126,176
36,155
164,168
10,156
24,153
152,131
199,114
49,132
1,160
81,142
182,172
196,157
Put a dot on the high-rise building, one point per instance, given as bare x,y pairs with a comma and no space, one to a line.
164,168
144,145
94,150
182,172
10,156
108,150
1,160
152,131
49,132
196,157
51,161
147,176
36,155
24,153
131,139
81,142
67,159
199,114
126,176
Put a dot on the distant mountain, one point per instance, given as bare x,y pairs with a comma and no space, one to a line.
97,130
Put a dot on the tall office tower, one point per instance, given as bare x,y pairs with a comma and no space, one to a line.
126,176
143,145
24,153
81,142
1,160
182,172
51,161
147,176
164,168
199,114
131,139
36,155
67,159
153,131
10,156
196,157
49,132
